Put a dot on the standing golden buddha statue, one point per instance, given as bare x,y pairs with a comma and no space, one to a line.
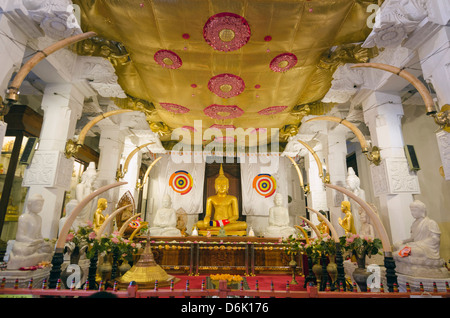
226,211
347,221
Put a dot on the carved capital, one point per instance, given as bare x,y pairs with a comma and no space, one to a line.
101,76
394,21
393,176
55,17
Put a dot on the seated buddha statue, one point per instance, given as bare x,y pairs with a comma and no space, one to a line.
165,221
279,220
99,218
30,248
222,210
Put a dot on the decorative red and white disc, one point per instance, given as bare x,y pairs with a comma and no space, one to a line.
168,59
223,111
272,110
181,182
226,85
174,108
226,31
283,62
264,184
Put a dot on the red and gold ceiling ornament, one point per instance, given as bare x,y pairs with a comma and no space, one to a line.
272,110
219,126
174,108
283,62
226,85
168,59
223,111
226,31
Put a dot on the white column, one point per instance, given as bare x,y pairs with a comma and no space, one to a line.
133,168
111,147
434,55
392,181
337,163
317,197
50,172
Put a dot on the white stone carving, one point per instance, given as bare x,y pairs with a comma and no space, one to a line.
344,85
49,169
394,21
55,17
393,176
101,76
443,139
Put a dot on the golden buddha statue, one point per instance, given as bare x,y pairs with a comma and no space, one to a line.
323,227
225,208
99,218
347,221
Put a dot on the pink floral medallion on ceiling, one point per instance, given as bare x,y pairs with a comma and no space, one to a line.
226,85
218,126
226,31
283,62
272,110
168,59
174,108
223,111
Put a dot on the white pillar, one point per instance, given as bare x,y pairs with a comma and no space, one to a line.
50,172
435,61
317,197
392,181
111,146
337,163
134,165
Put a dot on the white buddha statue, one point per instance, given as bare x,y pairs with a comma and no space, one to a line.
69,208
165,221
83,189
30,248
366,229
279,220
353,184
419,255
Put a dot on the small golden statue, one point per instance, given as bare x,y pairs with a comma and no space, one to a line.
347,222
323,227
99,218
225,208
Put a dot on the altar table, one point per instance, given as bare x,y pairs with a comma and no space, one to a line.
231,254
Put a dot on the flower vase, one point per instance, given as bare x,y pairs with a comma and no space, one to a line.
317,270
73,270
332,269
360,274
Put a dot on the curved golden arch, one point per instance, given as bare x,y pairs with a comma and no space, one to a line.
304,233
379,227
59,247
73,146
423,91
13,88
109,219
316,158
373,155
300,176
136,231
346,123
312,225
334,234
148,172
131,154
127,222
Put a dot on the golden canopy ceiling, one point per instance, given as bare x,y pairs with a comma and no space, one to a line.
241,63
